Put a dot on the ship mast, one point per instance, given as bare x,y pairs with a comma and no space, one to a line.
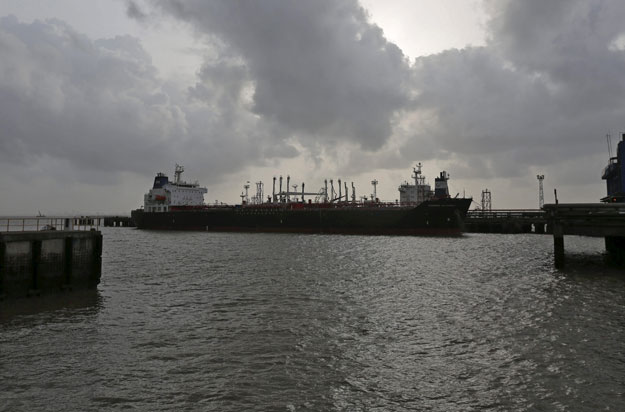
374,182
178,173
419,179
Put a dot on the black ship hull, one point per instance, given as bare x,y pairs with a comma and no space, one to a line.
441,217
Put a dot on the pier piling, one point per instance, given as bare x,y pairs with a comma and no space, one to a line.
558,247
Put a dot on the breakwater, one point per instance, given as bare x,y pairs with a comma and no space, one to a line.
42,262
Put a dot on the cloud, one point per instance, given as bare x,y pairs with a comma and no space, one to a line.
546,87
97,105
134,10
100,106
317,80
544,90
319,69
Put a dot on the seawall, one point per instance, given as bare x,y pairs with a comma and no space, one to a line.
45,262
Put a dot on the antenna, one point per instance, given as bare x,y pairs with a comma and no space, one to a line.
609,139
178,173
541,194
246,186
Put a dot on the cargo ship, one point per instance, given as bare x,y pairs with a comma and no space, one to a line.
179,205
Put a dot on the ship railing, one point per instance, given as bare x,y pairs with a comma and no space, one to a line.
40,223
319,205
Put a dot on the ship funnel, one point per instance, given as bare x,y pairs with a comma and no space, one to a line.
441,189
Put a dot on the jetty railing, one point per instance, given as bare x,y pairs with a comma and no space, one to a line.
39,223
505,214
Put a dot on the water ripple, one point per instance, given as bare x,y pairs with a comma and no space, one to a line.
266,322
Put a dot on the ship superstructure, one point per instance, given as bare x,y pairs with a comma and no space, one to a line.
165,195
420,192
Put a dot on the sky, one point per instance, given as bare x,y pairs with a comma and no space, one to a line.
97,97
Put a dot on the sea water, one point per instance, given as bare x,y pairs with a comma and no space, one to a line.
285,322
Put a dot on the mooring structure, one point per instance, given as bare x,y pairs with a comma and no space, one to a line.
605,220
43,255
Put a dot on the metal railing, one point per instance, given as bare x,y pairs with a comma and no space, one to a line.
506,214
38,223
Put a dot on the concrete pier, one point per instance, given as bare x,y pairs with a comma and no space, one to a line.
605,220
34,263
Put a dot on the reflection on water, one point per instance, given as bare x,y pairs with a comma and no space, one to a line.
51,306
231,322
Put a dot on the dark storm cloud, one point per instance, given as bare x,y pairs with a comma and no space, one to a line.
318,67
101,106
546,88
134,10
284,74
570,43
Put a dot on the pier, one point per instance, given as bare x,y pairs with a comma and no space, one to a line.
117,221
48,255
507,221
605,220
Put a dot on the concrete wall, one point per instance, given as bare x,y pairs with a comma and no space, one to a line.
43,262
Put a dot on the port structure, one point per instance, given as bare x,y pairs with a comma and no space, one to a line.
541,194
292,194
258,197
486,200
374,196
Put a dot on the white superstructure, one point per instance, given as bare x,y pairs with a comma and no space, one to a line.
165,194
417,193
